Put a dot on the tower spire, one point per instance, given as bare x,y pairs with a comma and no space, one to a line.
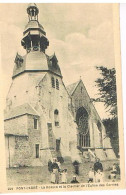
32,11
34,34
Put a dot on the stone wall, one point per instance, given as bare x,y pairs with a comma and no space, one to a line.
20,149
39,93
17,151
47,101
34,137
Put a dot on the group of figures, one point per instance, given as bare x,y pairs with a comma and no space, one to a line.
59,175
95,174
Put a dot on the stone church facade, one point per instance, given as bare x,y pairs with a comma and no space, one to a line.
44,118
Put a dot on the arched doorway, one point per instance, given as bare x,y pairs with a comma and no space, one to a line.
82,120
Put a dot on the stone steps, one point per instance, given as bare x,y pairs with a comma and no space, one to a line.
54,153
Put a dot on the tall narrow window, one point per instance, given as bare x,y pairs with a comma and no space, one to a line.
53,82
57,84
35,123
57,145
81,89
37,150
56,117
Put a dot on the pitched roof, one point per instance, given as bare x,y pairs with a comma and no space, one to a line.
71,88
20,110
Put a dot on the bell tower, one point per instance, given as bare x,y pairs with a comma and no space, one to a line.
34,38
32,11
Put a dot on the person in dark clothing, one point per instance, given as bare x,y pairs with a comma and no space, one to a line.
55,165
76,167
98,165
50,166
74,180
55,169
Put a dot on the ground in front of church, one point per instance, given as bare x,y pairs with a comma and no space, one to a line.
40,175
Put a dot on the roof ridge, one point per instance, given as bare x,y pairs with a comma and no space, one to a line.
74,87
34,109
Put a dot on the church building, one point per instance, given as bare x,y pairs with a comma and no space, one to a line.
44,118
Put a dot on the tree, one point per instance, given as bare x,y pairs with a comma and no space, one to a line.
107,94
107,89
111,126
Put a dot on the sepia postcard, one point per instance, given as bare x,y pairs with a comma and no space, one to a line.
61,97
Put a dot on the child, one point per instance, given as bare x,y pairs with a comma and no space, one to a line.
99,176
113,172
64,176
53,177
91,175
74,180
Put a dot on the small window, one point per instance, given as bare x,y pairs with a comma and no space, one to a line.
35,123
53,82
81,89
37,150
56,112
57,84
56,123
56,118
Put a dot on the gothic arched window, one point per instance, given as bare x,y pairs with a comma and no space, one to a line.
56,117
57,84
82,118
53,82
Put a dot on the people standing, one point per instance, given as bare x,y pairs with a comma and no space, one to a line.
76,167
53,177
98,171
91,175
113,172
99,176
55,168
64,176
50,166
98,165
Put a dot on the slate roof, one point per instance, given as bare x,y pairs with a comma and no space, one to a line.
20,110
36,61
34,24
71,88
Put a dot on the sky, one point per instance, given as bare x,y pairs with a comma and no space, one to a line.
81,35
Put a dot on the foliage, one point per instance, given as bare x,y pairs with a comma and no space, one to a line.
107,89
111,126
